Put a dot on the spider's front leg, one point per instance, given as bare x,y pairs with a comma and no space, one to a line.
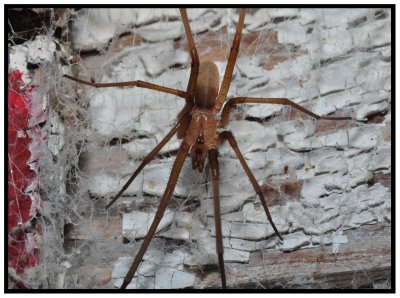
149,158
176,169
227,135
213,157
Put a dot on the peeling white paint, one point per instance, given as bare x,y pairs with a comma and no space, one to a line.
173,279
340,67
136,224
295,241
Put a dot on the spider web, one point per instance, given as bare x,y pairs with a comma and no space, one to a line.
327,183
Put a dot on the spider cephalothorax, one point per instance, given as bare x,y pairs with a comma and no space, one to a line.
197,126
201,135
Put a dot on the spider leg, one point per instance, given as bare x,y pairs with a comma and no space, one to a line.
226,82
282,101
139,84
227,135
176,169
147,159
194,71
195,63
213,157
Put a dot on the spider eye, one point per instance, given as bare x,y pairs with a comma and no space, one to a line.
200,140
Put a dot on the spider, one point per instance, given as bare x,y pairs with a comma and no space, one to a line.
201,131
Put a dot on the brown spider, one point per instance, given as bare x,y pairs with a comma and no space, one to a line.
201,132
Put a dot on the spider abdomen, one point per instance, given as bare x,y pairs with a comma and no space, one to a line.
207,85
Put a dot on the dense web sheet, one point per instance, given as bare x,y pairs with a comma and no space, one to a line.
328,184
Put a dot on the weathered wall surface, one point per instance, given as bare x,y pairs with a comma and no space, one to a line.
327,183
327,177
